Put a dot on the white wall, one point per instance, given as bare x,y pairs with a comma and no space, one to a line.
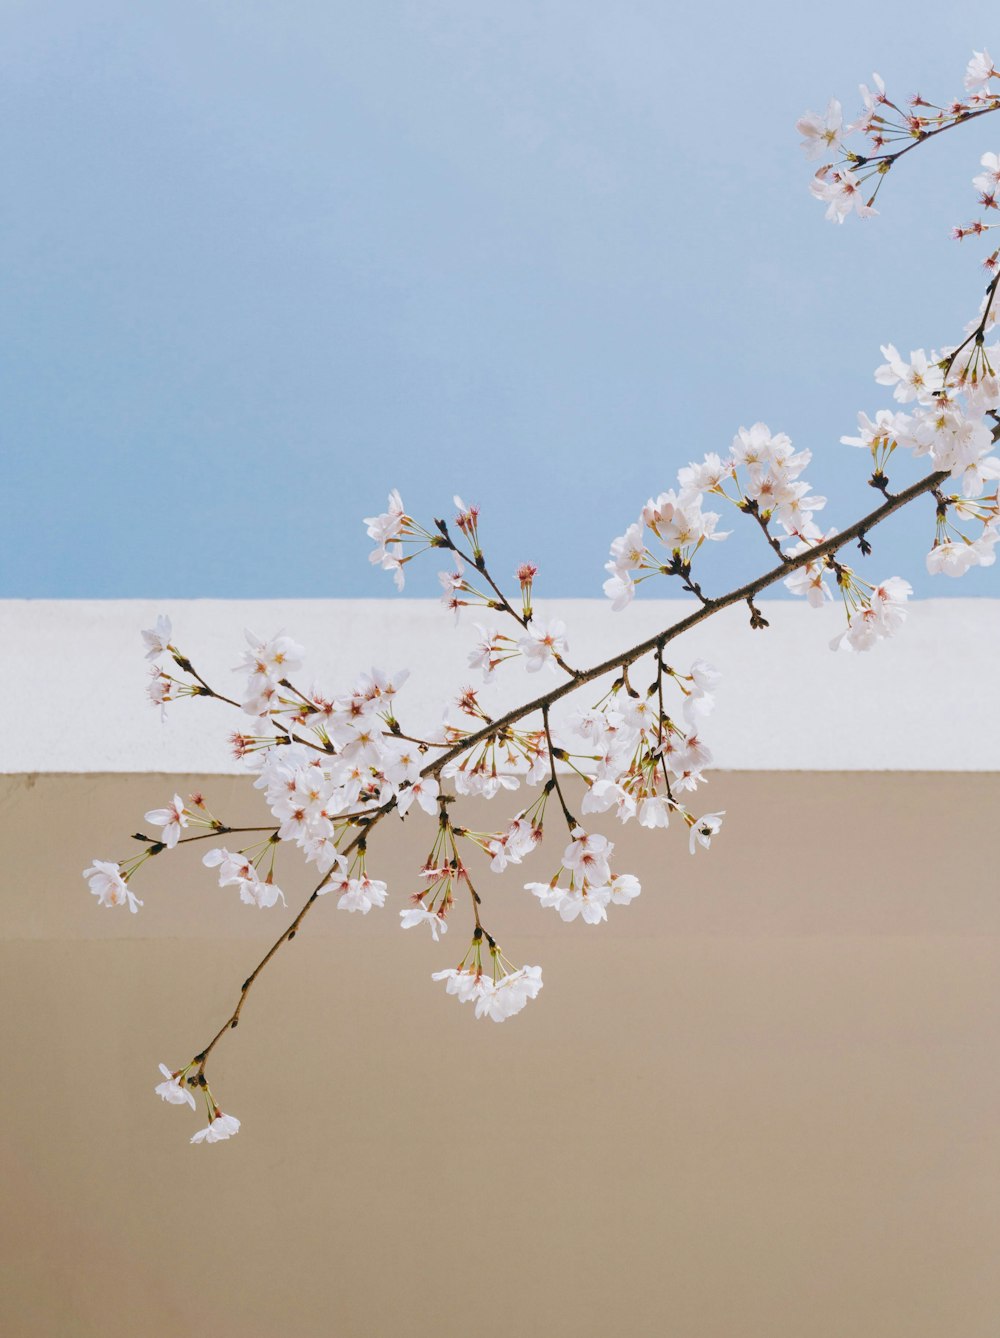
72,679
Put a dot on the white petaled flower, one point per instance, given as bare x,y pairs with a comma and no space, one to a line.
158,690
322,851
221,1128
810,581
390,523
236,870
109,887
542,643
821,134
275,658
871,434
488,651
625,887
263,893
588,855
681,526
707,475
871,98
511,846
951,559
979,71
416,915
390,558
704,829
452,585
605,794
889,599
654,812
171,819
880,618
704,676
516,988
157,638
360,894
757,445
173,1090
628,551
424,791
919,379
620,589
989,180
509,994
590,904
584,902
496,1000
465,985
841,193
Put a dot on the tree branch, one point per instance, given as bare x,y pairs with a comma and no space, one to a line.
618,662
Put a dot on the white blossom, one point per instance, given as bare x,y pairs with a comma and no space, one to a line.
821,134
979,71
390,523
359,894
496,1000
919,379
878,619
704,829
588,855
424,790
585,902
988,181
841,193
542,642
953,558
171,819
173,1089
416,915
654,812
237,870
220,1128
157,638
109,887
625,888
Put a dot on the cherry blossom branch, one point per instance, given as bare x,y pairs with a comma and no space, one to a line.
221,830
287,934
921,136
681,567
978,334
184,663
710,607
743,594
478,561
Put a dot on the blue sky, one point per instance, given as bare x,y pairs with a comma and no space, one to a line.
264,262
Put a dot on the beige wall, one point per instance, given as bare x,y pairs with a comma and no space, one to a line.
763,1100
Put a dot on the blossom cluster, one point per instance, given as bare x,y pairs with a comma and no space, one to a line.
953,397
760,475
496,998
849,180
176,1092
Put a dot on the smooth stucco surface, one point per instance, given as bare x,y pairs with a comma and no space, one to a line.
72,682
762,1101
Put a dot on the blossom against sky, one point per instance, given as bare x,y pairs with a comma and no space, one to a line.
266,263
